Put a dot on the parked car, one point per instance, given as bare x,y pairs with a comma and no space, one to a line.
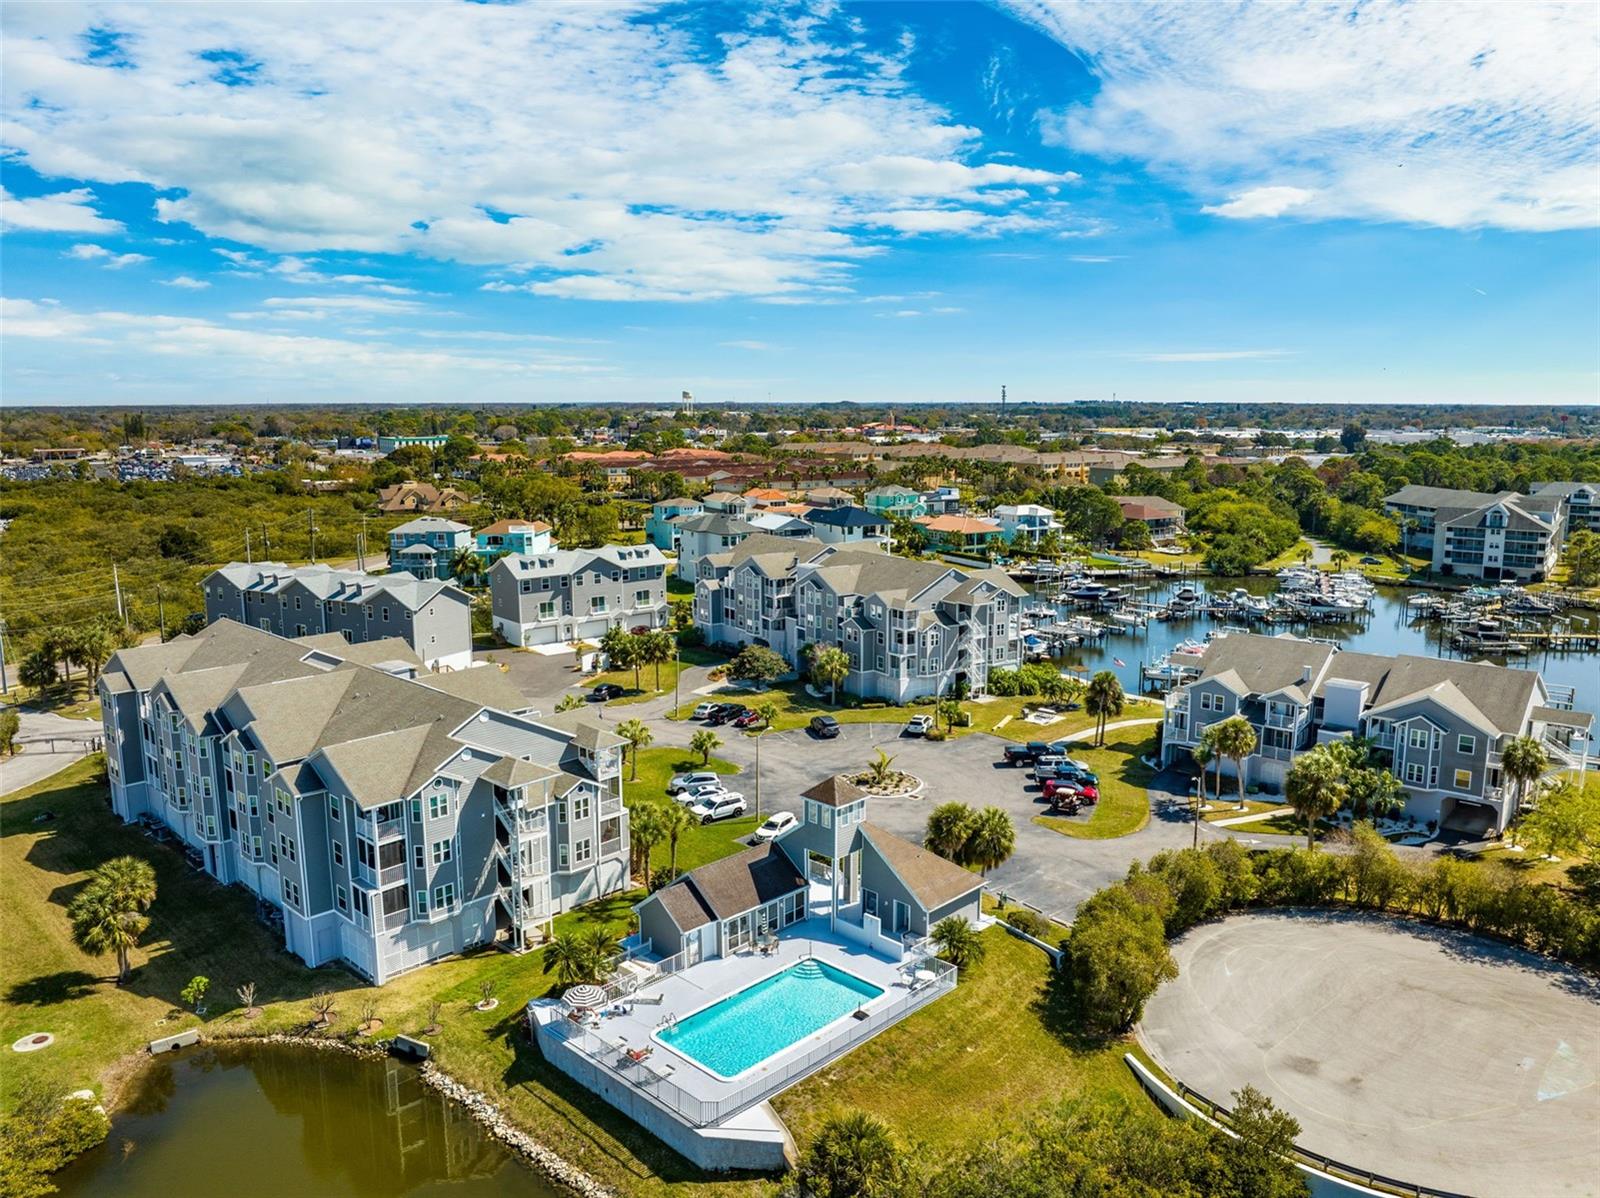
918,725
749,719
606,690
1075,771
1369,560
775,827
723,806
701,790
1049,766
683,782
1026,754
824,727
726,713
702,710
1079,792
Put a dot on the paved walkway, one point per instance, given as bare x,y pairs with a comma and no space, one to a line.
40,757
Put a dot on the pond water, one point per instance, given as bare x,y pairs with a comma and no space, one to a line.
1388,629
276,1120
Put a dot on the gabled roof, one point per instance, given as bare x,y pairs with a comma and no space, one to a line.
380,769
430,524
847,517
512,772
1501,695
731,886
1447,695
501,528
962,525
931,879
586,731
1262,664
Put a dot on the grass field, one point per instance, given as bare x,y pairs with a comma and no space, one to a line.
650,687
1228,807
703,842
795,707
1124,805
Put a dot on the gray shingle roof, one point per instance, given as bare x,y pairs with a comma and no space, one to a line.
835,791
1501,695
1266,663
733,885
932,880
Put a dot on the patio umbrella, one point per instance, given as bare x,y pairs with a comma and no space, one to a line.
584,997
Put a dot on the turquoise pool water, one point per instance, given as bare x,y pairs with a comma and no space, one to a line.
746,1028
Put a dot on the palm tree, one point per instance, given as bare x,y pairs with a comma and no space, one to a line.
768,712
90,647
958,943
108,913
638,736
854,1153
1234,739
1103,700
656,649
1339,558
569,703
602,946
880,770
949,825
1204,755
705,742
675,821
569,957
1315,789
646,829
992,840
466,565
830,667
1523,761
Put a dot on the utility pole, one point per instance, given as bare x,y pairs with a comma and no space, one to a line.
247,556
266,544
161,614
760,736
116,584
361,545
311,525
5,684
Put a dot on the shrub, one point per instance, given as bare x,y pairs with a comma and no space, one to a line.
1031,923
958,943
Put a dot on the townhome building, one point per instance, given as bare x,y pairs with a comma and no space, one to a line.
909,628
567,595
660,529
427,546
1582,503
1440,726
1473,534
494,541
433,618
1027,522
706,533
850,525
385,817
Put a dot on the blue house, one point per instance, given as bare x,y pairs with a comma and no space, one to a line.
659,529
427,546
511,536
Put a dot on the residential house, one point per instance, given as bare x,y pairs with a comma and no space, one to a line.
496,540
1582,501
896,502
850,526
429,615
427,546
1505,536
387,445
869,884
961,534
765,497
828,496
705,533
779,524
1163,517
388,817
420,497
566,595
660,530
910,628
616,466
942,501
1025,521
1440,725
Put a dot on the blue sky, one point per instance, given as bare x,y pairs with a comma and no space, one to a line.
890,201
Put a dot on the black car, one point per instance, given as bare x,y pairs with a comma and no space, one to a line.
1026,754
726,714
606,690
824,727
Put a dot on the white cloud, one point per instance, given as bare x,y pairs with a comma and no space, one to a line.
107,258
1095,259
189,282
341,303
1212,355
63,212
580,150
1432,114
750,345
1261,201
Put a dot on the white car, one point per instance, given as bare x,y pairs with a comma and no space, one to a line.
683,782
702,710
918,725
701,790
775,827
723,806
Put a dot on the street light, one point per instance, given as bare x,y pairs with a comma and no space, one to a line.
677,676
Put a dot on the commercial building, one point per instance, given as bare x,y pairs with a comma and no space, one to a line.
430,616
387,445
387,817
909,628
1440,725
567,595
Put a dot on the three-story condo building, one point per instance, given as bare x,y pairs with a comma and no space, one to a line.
388,816
909,628
1440,725
427,546
430,615
577,594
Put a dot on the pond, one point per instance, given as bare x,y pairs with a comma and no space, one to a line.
1387,629
276,1120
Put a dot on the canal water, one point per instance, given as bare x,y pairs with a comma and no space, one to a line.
274,1121
1387,629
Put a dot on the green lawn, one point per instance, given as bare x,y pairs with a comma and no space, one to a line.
650,685
1124,805
1003,717
1228,806
1000,1046
795,707
703,842
77,700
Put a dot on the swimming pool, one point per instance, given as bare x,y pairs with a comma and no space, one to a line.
739,1032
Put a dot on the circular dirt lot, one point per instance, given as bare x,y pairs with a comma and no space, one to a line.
1427,1055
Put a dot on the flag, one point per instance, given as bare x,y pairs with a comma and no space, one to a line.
1119,662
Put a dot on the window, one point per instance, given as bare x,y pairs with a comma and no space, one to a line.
422,904
582,852
580,808
286,847
561,813
1419,738
825,815
561,856
339,899
597,603
438,806
255,847
547,610
419,857
1466,744
1414,773
416,811
366,854
441,851
444,897
1463,779
641,598
291,893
